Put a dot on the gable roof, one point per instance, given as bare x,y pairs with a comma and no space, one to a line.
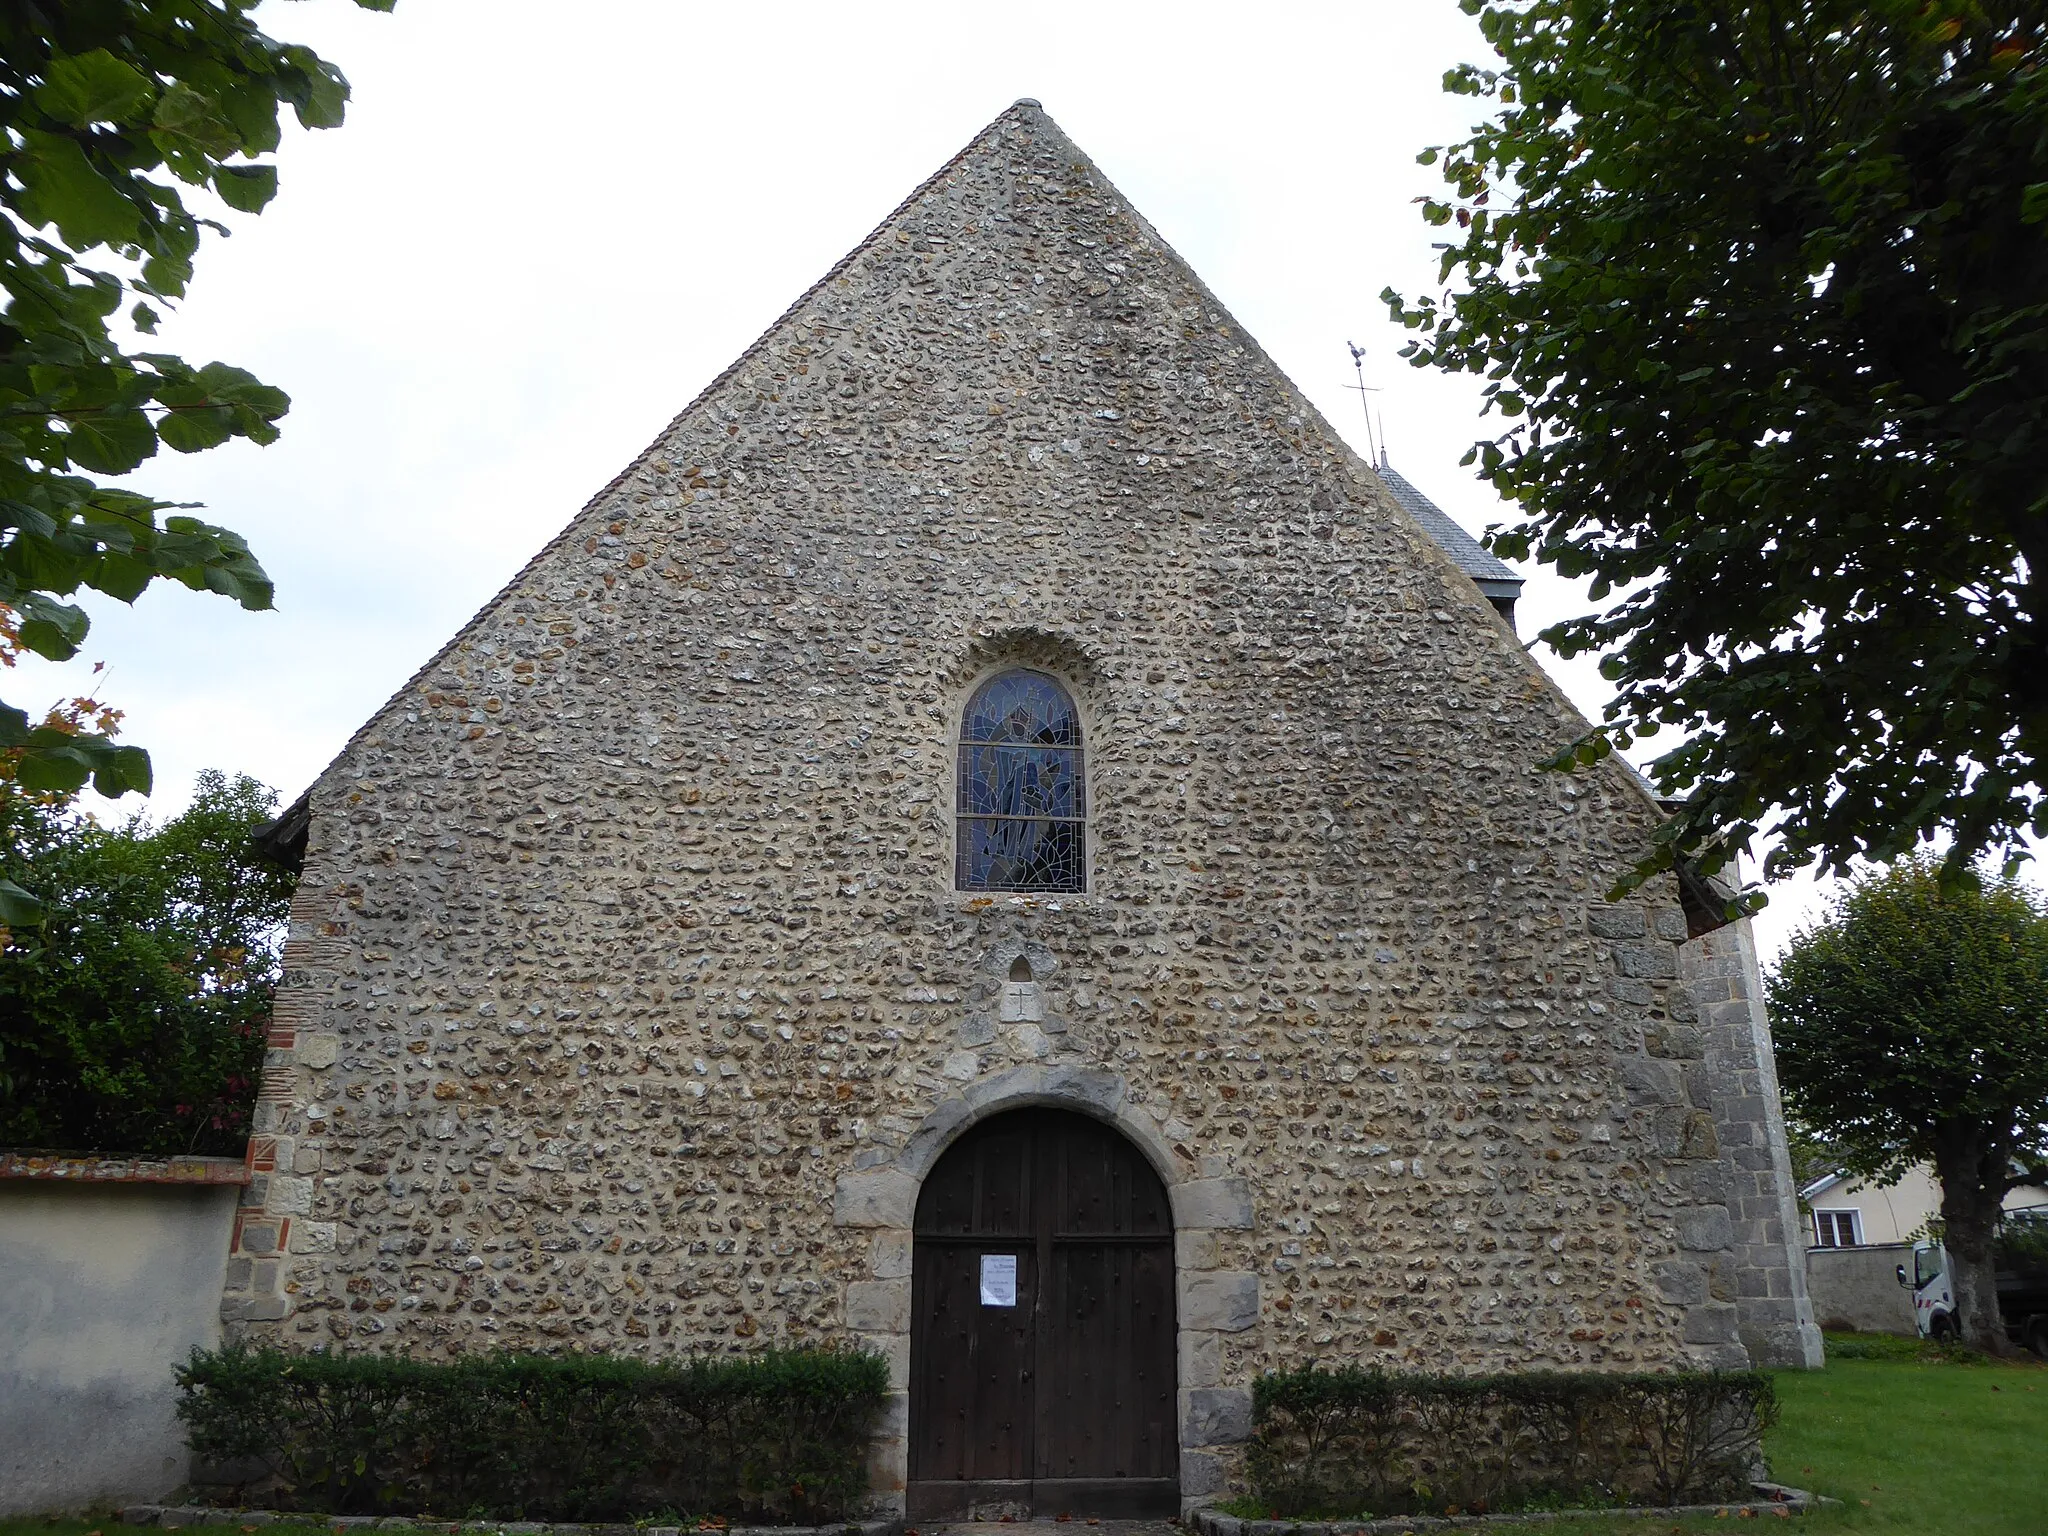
1500,584
1822,1184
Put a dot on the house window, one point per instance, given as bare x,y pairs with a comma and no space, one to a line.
1837,1229
1022,800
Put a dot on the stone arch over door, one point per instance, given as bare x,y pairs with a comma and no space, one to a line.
1212,1300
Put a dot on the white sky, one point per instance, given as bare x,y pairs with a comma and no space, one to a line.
544,228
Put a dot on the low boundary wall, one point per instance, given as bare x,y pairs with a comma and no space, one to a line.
110,1275
1859,1288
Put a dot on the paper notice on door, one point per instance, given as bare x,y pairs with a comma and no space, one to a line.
999,1279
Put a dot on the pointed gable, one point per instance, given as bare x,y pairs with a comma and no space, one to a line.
1059,320
641,903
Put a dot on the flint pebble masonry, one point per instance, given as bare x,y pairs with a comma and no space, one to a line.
628,998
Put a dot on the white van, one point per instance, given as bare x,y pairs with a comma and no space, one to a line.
1934,1303
2022,1276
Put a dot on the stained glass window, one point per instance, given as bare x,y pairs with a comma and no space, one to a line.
1023,799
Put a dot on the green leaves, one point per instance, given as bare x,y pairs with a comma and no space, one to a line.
133,996
1910,1028
1918,998
314,87
246,187
18,908
84,536
61,187
53,760
776,1434
1348,1439
61,763
113,113
1582,753
207,407
210,559
1759,293
191,429
50,628
93,88
191,129
109,442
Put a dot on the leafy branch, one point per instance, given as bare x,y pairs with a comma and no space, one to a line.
1759,293
110,113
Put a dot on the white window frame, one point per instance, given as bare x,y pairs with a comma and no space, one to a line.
1827,1225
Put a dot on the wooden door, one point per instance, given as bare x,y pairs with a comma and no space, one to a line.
1042,1325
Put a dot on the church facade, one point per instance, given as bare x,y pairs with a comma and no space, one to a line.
1000,840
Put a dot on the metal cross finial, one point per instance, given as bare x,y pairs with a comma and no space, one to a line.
1373,451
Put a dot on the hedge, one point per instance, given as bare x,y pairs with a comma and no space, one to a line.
780,1435
1349,1442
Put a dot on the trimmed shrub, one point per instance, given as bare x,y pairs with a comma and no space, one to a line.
779,1435
1348,1442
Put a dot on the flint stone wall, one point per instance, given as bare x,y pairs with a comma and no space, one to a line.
628,995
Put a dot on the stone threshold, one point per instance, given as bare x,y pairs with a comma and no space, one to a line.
178,1516
56,1167
1772,1499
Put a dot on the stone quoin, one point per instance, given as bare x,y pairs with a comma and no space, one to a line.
632,993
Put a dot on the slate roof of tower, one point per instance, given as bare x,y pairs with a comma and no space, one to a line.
1495,578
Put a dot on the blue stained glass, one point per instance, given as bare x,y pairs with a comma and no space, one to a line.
1022,789
1020,781
1022,707
1021,856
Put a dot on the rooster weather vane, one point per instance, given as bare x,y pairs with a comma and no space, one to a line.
1375,446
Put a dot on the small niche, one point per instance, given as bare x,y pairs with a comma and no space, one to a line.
1021,1001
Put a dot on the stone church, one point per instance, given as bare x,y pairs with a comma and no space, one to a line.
999,839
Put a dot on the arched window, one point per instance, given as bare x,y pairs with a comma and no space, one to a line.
1022,801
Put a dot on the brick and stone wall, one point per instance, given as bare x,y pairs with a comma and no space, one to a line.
629,996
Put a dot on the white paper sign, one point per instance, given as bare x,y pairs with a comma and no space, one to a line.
999,1279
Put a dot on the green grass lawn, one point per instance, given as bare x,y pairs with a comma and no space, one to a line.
1917,1444
1912,1442
1920,1446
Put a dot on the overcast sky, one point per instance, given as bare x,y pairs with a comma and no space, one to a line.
544,228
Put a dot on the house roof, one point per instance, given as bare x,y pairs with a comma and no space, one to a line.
1495,578
1825,1182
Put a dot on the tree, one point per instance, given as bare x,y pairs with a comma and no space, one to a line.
1761,289
132,1019
110,110
1912,1026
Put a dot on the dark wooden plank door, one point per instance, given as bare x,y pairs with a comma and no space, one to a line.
1064,1401
1107,1331
971,1399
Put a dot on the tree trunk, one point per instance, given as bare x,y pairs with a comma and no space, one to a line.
1970,1208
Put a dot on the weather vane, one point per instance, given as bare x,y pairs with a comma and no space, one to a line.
1376,449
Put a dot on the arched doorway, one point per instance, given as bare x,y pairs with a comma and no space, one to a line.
1042,1325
